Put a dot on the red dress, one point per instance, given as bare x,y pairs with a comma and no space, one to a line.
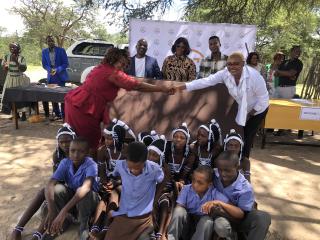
87,106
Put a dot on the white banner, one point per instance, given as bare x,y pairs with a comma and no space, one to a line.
161,35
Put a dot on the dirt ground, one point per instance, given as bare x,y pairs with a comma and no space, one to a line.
286,179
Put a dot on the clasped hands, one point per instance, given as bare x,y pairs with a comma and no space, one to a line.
173,88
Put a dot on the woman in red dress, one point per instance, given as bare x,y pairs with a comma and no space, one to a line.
86,106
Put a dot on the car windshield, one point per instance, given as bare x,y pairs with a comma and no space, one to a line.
91,49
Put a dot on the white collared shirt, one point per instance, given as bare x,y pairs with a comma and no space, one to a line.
140,66
253,87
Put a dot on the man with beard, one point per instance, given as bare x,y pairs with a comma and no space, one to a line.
142,65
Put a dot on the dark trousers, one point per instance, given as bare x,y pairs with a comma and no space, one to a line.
254,226
250,130
85,208
58,111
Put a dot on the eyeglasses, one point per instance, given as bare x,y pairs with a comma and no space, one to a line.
234,63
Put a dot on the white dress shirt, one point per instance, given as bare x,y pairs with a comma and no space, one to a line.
250,93
140,66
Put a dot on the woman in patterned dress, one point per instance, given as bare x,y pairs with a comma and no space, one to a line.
15,65
179,67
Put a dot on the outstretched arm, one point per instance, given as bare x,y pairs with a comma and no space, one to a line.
122,80
49,195
147,87
201,83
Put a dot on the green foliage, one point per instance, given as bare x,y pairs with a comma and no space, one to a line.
121,11
51,17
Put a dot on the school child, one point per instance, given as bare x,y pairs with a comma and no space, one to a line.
139,178
208,144
178,155
72,188
239,192
188,220
233,142
114,146
113,149
163,203
148,137
64,137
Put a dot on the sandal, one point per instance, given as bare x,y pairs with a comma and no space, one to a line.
16,233
95,229
37,234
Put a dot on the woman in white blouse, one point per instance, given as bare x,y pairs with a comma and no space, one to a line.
248,88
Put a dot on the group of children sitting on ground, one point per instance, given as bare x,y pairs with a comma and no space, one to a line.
149,189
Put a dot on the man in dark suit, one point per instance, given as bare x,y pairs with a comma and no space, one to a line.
55,62
142,65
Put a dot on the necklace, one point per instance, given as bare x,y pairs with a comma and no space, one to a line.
112,162
176,167
204,161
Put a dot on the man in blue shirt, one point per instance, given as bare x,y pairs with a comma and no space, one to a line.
55,62
188,218
139,178
72,187
233,184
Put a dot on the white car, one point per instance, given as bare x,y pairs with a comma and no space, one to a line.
83,54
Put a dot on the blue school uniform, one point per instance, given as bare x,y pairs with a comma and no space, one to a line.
192,201
74,180
137,192
240,192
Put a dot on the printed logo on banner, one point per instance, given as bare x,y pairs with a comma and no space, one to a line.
198,44
142,29
233,37
196,55
185,32
155,53
156,41
157,30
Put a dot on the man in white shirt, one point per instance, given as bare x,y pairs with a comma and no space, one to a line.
247,87
142,65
